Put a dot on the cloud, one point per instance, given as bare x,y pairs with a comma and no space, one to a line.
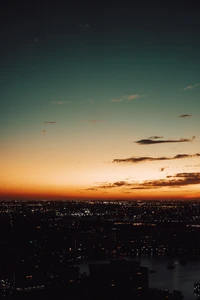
91,101
58,102
185,116
95,121
126,97
151,140
44,131
186,156
115,100
177,180
154,137
106,185
132,97
92,189
50,122
194,166
189,87
137,159
44,37
85,25
148,158
36,39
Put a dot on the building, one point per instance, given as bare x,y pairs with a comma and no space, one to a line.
119,276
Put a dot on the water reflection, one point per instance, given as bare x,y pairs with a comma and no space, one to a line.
181,278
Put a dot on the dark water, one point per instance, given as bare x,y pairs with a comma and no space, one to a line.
181,278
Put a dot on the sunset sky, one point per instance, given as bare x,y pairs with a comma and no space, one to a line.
99,102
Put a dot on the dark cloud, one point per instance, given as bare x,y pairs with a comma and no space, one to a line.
106,185
50,122
185,155
138,159
92,189
148,158
113,185
185,116
120,183
177,180
151,140
154,137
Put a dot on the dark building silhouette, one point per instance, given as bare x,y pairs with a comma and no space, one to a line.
118,277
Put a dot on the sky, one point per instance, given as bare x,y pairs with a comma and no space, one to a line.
99,101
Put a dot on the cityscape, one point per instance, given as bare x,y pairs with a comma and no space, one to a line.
95,249
99,150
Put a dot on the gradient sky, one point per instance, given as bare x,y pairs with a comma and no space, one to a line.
99,102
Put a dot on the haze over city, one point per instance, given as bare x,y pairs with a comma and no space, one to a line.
99,102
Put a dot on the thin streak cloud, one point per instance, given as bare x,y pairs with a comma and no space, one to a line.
126,98
151,141
185,116
190,87
58,102
148,158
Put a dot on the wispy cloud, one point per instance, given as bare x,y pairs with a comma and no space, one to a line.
58,102
92,189
91,101
36,39
155,140
50,122
85,25
185,116
193,166
115,100
189,87
132,97
43,37
148,158
95,121
126,98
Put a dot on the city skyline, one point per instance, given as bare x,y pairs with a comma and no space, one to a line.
99,103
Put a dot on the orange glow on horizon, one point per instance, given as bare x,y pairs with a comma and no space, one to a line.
70,194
